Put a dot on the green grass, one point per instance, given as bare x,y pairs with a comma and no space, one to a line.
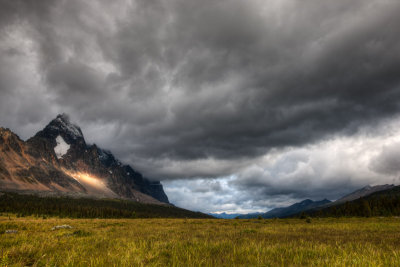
200,242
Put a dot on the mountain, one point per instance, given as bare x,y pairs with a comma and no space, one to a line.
57,160
224,215
365,191
288,211
379,203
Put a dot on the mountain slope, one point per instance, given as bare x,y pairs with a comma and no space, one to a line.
381,203
288,211
57,159
365,191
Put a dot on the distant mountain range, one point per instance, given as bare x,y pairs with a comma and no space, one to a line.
58,161
288,211
309,206
224,215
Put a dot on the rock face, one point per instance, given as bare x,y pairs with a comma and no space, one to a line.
57,159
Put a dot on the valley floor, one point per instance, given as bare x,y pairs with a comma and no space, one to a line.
199,242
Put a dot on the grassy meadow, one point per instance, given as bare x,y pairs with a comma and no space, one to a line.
200,242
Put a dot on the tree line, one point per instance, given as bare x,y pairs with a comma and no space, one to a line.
32,205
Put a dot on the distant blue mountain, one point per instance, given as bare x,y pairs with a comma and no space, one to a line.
277,212
224,215
288,211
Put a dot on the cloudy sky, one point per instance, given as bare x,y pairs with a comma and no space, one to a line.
234,105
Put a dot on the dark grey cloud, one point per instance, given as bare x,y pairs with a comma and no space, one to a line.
185,89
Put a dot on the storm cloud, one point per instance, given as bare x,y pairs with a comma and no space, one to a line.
258,91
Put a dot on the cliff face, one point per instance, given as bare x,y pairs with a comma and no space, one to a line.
57,159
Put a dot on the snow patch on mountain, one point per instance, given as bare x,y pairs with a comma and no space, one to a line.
61,148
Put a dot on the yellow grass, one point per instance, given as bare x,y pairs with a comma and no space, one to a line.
200,242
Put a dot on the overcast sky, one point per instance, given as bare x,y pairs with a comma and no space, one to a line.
234,105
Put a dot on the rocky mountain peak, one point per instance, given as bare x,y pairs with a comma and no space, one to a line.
62,127
63,123
57,159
